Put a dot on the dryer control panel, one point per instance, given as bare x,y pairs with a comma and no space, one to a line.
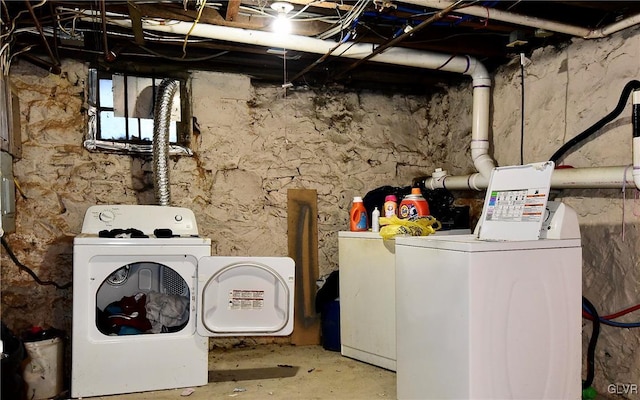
148,219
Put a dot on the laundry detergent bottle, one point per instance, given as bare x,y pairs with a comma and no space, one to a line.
413,205
358,216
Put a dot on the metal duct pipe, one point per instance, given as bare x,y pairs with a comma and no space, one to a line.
161,120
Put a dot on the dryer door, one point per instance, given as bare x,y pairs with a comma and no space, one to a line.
245,296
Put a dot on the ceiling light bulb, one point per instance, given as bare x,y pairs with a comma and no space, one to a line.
282,24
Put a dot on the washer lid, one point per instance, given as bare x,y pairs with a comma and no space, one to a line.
240,296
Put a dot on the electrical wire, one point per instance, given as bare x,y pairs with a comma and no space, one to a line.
29,270
186,37
607,318
593,341
623,312
346,20
620,324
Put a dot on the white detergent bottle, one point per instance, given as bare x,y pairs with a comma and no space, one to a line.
375,220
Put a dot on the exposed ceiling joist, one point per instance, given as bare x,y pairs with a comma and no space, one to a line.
232,10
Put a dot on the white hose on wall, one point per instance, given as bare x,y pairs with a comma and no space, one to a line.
161,121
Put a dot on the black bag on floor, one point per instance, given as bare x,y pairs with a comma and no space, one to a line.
13,354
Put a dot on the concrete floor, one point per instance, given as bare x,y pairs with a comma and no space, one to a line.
278,372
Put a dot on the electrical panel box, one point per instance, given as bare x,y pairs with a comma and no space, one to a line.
7,195
9,119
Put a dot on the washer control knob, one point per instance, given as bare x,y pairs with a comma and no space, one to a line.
106,216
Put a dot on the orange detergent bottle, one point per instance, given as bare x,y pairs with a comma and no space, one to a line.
358,216
413,205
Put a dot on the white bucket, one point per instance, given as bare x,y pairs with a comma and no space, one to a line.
43,375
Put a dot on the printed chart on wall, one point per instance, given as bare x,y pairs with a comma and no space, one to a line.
515,202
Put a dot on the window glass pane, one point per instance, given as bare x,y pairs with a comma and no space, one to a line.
111,127
134,131
176,111
133,96
173,132
120,114
140,97
106,93
146,129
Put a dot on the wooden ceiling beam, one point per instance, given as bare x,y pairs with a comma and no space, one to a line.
213,17
136,22
322,4
233,6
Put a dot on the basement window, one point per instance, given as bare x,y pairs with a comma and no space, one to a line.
121,112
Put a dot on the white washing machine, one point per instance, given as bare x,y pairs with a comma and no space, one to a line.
487,319
496,314
147,294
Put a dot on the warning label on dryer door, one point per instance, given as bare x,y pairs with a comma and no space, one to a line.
246,299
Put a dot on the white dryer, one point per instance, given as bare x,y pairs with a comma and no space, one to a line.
147,294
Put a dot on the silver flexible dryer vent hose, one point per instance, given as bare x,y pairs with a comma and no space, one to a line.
161,120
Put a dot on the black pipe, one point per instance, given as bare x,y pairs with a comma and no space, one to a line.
591,349
635,115
632,85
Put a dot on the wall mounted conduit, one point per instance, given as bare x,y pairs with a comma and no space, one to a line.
597,177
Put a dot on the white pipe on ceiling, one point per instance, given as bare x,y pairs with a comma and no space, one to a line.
598,177
533,22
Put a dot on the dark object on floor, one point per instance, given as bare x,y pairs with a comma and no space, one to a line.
329,291
13,354
330,323
328,305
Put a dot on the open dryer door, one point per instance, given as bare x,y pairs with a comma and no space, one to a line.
245,296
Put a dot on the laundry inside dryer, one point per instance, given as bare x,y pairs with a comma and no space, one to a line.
142,297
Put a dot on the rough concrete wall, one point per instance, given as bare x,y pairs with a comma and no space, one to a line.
566,91
254,144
